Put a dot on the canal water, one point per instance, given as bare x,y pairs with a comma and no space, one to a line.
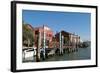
80,54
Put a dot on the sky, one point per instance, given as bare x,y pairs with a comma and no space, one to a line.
73,22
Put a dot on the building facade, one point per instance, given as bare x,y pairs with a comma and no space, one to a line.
39,32
70,40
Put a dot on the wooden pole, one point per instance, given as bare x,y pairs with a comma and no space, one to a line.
60,42
44,40
37,50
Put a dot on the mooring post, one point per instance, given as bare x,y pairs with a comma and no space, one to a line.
37,59
60,42
44,41
39,45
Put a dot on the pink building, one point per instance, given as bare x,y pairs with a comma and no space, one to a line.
41,30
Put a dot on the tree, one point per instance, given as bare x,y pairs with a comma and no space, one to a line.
28,38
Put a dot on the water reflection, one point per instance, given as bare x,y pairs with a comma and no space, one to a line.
79,54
